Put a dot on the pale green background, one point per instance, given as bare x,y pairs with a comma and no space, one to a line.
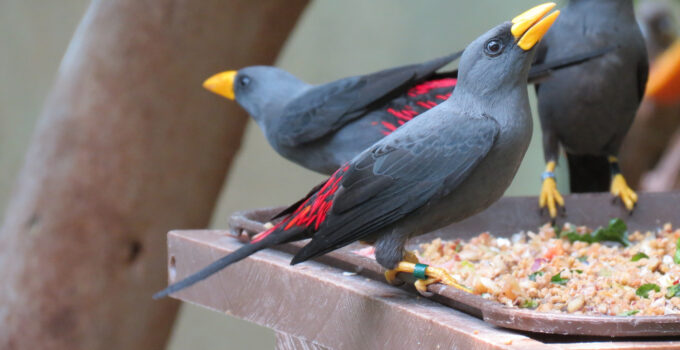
333,39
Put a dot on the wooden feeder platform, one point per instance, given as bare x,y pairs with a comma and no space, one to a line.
340,302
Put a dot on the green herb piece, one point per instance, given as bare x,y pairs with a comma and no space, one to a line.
467,264
628,313
676,258
615,232
673,291
583,258
578,271
529,304
640,255
558,230
459,247
533,275
644,289
559,280
605,273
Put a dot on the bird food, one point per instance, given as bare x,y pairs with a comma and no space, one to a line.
569,269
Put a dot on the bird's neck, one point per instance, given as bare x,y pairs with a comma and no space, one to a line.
509,105
269,112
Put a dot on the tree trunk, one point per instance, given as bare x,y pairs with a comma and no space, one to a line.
128,147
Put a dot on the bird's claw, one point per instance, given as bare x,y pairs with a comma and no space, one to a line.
621,191
431,275
550,197
391,277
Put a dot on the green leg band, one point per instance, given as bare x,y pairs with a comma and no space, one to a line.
419,271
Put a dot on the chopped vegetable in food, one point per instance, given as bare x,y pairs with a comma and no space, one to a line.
615,232
639,256
644,289
628,313
673,291
559,280
533,275
529,304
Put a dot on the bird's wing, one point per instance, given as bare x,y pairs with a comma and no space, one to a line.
416,100
396,177
327,107
541,69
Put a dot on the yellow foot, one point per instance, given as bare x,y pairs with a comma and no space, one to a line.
426,275
620,189
550,197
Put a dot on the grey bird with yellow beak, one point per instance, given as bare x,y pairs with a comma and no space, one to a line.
321,127
587,109
455,161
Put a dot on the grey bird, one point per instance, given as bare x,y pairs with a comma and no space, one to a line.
448,165
321,127
587,109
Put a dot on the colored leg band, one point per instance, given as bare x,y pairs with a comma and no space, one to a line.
419,271
546,175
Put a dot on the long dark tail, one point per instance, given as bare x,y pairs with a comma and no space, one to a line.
276,236
588,173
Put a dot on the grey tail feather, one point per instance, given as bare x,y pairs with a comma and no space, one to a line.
541,70
273,239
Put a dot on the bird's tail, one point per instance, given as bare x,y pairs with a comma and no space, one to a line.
266,239
588,173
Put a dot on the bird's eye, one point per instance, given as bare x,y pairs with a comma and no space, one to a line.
244,81
493,47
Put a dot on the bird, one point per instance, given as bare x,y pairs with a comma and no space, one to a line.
323,127
587,109
455,161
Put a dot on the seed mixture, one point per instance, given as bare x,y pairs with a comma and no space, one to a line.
569,270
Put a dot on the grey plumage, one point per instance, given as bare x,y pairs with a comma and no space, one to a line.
452,163
587,109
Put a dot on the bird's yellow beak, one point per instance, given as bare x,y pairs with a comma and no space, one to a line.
222,84
529,28
663,84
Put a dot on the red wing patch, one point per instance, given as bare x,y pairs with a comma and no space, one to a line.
427,86
312,212
417,100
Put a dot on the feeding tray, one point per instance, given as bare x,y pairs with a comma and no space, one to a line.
506,217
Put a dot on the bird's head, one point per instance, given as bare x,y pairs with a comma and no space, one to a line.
502,56
260,90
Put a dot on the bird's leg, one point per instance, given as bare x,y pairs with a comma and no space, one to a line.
425,274
391,275
619,188
550,197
